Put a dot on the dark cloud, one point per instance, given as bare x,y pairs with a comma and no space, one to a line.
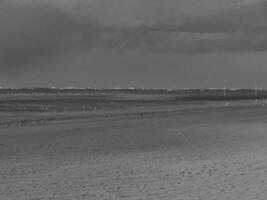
245,18
237,29
31,33
36,32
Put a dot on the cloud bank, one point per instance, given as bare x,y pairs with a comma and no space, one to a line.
38,31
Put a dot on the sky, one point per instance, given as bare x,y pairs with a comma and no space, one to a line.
133,43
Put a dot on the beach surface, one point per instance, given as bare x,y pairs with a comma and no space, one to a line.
210,153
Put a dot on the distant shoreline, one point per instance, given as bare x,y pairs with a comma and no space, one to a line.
208,94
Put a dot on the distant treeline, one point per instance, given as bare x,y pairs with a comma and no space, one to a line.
179,94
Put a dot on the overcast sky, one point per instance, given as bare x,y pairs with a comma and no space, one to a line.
133,43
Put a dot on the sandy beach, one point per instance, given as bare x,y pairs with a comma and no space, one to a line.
217,153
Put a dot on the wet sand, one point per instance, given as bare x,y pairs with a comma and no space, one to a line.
203,154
